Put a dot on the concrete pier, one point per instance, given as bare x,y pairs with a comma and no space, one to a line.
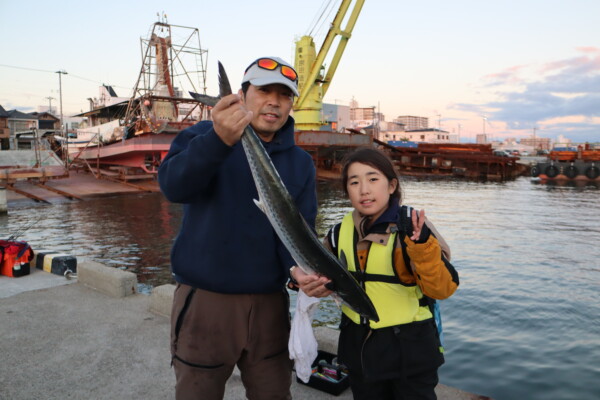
92,337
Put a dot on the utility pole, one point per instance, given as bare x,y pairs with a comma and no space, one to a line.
50,98
62,127
459,133
378,119
484,119
534,149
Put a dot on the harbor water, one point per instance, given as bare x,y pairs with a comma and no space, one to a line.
524,323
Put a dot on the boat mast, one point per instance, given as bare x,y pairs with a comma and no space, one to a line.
165,65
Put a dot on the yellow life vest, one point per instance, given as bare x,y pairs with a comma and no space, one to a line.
396,303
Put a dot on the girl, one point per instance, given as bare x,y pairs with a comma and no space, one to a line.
402,262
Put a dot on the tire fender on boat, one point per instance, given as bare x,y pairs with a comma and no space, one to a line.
535,171
592,172
551,171
571,171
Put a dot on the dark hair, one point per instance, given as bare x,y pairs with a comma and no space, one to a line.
376,159
245,87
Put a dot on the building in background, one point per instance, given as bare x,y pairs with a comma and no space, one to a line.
336,118
537,143
19,123
362,117
562,141
428,135
481,138
4,129
392,132
47,121
412,123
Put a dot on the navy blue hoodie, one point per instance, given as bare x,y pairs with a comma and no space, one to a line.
226,244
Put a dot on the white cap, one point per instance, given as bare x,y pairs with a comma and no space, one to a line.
262,77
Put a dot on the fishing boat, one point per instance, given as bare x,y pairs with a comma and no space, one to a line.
133,135
580,163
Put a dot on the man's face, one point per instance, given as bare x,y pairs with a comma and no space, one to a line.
271,105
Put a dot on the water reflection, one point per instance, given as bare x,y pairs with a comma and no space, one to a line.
577,184
333,205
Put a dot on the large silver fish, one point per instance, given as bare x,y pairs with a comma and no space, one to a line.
297,236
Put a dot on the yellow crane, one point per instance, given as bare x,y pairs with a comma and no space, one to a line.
313,80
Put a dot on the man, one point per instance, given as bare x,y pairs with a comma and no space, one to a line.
230,306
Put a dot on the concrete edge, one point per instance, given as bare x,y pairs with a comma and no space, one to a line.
108,280
161,300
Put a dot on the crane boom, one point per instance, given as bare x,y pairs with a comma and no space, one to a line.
313,83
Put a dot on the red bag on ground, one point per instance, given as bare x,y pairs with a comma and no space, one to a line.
14,258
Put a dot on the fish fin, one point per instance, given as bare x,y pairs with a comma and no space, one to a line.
260,205
224,86
344,260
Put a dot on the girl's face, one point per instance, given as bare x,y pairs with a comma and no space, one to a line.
369,190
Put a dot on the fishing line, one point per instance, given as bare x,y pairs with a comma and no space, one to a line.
26,69
14,236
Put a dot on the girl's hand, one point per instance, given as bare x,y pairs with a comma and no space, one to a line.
311,284
418,219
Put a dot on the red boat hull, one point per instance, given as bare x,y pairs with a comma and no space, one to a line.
144,151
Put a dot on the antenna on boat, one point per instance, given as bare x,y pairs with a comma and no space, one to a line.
162,17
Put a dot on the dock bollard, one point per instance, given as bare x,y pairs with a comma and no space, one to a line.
56,263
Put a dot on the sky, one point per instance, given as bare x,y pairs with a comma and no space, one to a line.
508,68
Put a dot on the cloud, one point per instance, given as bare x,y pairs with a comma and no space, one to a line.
588,49
468,107
509,76
561,88
536,106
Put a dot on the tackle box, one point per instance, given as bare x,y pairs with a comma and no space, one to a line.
328,376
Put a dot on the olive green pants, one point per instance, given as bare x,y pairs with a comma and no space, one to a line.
211,333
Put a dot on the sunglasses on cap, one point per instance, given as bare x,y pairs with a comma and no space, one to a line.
271,65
